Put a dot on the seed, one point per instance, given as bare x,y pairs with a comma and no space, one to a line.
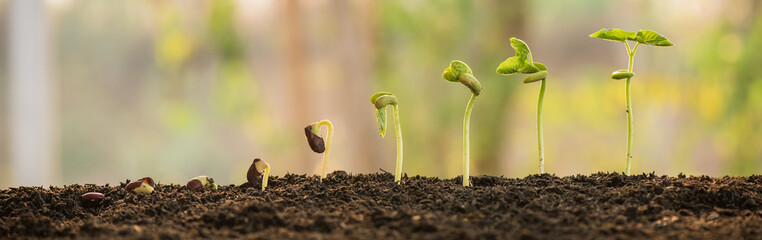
143,185
316,142
256,170
200,182
93,197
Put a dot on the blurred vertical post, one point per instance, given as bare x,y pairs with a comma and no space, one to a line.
295,75
32,139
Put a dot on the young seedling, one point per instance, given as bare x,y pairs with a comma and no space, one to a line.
200,182
317,144
258,168
646,37
380,101
460,72
143,185
523,63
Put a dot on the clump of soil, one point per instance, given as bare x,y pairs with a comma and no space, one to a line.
371,206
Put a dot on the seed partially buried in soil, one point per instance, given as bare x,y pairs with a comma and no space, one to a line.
93,197
143,185
258,168
201,182
316,142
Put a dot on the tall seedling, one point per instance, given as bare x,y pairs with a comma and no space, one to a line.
460,72
645,37
522,63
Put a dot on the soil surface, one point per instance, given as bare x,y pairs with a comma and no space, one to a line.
371,206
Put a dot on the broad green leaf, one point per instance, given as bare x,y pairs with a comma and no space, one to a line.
652,38
614,34
510,66
521,48
521,63
381,119
452,72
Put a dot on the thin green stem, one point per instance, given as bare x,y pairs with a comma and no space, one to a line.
398,130
541,152
328,140
466,149
629,106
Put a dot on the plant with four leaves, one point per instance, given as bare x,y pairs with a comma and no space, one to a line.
460,72
523,63
645,37
380,101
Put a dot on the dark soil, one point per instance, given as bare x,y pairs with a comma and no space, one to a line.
371,206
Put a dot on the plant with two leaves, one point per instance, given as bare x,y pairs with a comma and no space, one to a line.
380,101
258,168
315,140
645,37
460,72
523,63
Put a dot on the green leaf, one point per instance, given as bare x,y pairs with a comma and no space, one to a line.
510,66
621,74
521,63
521,48
452,72
614,35
652,38
381,119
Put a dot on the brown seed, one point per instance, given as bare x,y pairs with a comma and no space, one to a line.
256,170
93,197
138,183
195,184
316,142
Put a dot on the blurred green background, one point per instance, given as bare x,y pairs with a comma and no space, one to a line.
176,89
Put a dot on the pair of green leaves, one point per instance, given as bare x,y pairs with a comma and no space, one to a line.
646,37
460,72
380,101
522,63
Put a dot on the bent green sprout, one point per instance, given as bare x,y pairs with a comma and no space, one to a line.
646,37
522,63
460,72
380,101
317,144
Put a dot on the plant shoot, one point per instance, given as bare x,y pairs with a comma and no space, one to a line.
645,37
523,63
201,182
460,72
315,140
258,168
380,101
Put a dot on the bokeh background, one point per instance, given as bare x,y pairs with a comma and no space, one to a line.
101,91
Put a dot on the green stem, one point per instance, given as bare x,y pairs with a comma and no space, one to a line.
328,138
265,177
541,152
629,106
466,150
398,130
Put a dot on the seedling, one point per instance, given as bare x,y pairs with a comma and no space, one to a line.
523,63
201,182
315,140
380,101
143,185
646,37
460,72
258,168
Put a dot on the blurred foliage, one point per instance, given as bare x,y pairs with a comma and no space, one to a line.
179,89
